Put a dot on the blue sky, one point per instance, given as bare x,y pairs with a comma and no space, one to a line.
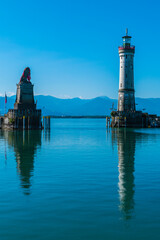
72,46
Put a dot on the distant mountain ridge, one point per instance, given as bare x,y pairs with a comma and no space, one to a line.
99,106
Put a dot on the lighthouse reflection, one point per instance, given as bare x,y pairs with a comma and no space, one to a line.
25,145
126,142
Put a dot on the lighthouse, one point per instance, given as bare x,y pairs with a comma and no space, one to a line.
126,114
126,96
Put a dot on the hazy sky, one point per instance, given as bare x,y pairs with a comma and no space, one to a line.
71,46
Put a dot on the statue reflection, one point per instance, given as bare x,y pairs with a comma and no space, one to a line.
126,142
25,145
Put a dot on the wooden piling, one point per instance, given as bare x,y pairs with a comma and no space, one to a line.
29,126
125,122
43,122
24,122
118,122
106,122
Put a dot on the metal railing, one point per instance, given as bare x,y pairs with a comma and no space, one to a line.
126,47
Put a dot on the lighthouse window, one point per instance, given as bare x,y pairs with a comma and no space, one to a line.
121,84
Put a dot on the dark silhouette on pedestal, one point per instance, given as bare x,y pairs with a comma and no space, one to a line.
24,115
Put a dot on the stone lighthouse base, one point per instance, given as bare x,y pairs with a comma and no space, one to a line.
135,119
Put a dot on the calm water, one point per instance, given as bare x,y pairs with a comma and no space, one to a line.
80,181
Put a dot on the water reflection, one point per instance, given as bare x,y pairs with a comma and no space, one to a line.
25,145
126,142
47,135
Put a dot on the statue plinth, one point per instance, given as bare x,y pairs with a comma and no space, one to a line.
25,97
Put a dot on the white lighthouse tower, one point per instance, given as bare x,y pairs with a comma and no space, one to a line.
126,96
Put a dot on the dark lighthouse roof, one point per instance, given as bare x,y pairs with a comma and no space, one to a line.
126,36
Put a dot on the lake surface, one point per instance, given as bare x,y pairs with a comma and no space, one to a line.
80,182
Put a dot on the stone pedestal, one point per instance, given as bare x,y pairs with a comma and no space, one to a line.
25,97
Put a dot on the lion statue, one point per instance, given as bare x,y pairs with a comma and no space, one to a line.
26,76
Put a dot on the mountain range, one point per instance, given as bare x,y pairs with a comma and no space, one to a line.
99,106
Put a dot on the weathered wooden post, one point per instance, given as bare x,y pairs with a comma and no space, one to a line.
113,122
118,122
46,122
49,122
29,123
125,121
23,137
24,122
106,122
109,122
43,122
